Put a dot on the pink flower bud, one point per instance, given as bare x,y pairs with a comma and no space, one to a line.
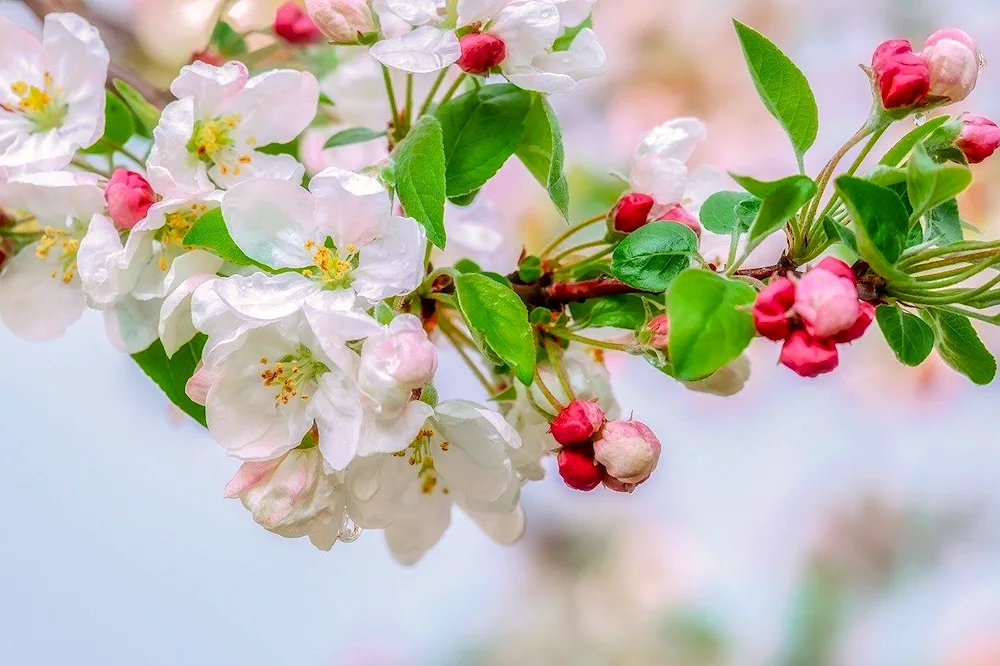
403,355
578,469
344,21
770,310
979,139
207,56
291,496
679,214
866,315
838,268
901,76
659,332
827,303
954,59
628,450
293,25
129,196
481,53
809,356
631,212
611,483
577,423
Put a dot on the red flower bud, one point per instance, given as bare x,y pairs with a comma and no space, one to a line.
838,268
809,356
659,329
129,196
578,469
3,254
577,423
902,77
631,212
292,24
979,139
481,53
680,215
770,310
866,314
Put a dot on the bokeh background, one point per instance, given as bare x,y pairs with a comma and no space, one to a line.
852,520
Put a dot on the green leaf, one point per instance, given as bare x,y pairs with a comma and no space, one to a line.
566,40
910,339
930,184
881,219
227,41
420,177
147,114
465,199
353,135
782,87
209,232
960,346
836,231
499,316
886,176
720,216
542,152
119,127
172,374
625,311
652,256
710,322
530,269
482,129
945,222
467,266
898,152
781,200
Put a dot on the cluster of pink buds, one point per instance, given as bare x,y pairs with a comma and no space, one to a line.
293,25
812,316
633,212
946,70
619,454
129,197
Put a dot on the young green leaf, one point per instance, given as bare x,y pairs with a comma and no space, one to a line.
482,129
352,136
930,184
147,114
541,151
566,39
530,269
625,311
720,216
652,256
782,87
910,339
227,41
420,177
781,200
119,126
838,232
210,233
960,346
172,374
881,220
500,318
710,322
898,152
945,223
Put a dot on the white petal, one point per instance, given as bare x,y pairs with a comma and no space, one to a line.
209,85
476,464
278,105
132,325
393,265
107,269
176,328
527,29
664,179
390,435
573,12
421,51
171,167
410,539
504,528
350,207
21,54
33,304
703,182
676,139
156,283
414,12
336,406
335,320
266,297
271,220
477,11
53,196
263,165
531,78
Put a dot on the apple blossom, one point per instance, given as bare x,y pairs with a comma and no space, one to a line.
902,78
402,356
577,423
579,470
659,330
52,93
954,61
129,197
979,138
628,450
866,315
345,21
481,53
826,302
631,212
293,25
461,457
680,215
210,137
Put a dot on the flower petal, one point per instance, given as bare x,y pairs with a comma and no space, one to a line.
176,328
278,105
53,196
424,50
265,297
271,220
393,265
33,304
352,208
527,29
410,539
664,179
475,464
477,11
676,139
209,85
171,168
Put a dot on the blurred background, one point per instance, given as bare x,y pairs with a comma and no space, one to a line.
852,520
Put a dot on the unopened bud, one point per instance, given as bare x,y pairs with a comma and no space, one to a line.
129,197
770,310
866,315
631,212
481,53
628,450
344,21
680,215
901,76
659,332
979,138
293,25
954,60
578,469
208,56
577,423
826,302
809,356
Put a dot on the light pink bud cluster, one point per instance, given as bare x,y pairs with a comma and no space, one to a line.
129,197
344,21
947,70
292,24
619,454
634,209
812,316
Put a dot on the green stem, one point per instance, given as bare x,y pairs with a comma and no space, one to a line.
558,406
452,334
600,344
555,354
586,260
569,232
850,172
964,258
409,100
577,248
434,88
453,89
387,77
82,164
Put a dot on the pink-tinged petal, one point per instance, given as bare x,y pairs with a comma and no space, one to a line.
392,265
278,105
198,385
272,220
422,51
248,475
352,208
33,304
664,179
210,86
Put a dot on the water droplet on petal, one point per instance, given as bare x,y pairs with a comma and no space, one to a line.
349,531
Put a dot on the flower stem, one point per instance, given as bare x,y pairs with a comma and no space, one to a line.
452,334
392,96
453,89
600,344
409,100
569,232
83,164
555,358
558,406
577,248
434,88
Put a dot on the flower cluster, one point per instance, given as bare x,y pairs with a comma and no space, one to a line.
297,311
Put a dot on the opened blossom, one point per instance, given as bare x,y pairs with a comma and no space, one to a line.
52,98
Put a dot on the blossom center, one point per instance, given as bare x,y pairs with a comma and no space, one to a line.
291,375
331,268
38,104
213,142
62,247
420,457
